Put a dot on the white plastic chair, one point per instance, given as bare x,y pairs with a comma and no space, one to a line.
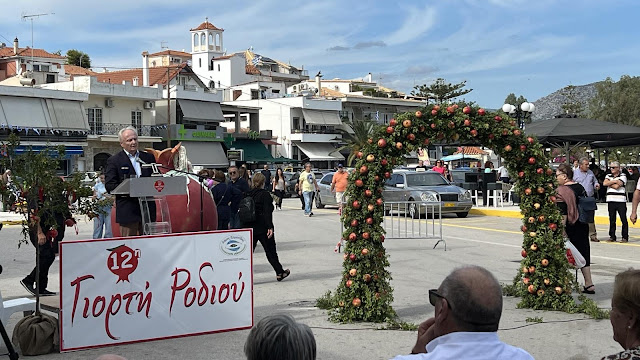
8,307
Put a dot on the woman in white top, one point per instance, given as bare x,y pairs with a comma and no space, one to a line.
103,219
278,187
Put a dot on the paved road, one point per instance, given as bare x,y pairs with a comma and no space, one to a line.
306,245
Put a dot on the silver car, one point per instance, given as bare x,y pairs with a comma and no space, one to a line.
411,186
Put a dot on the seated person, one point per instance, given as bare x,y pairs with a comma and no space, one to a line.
280,337
468,306
625,309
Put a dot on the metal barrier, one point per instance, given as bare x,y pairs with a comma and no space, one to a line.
410,220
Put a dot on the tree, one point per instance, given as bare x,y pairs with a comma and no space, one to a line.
571,104
441,92
362,131
78,58
617,102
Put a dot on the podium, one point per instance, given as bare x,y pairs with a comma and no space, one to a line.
152,194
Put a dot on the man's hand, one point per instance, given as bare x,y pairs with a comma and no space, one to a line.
269,233
425,335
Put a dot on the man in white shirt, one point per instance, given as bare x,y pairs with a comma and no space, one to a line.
503,174
468,306
617,201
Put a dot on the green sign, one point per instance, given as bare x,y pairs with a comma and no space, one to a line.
235,155
197,134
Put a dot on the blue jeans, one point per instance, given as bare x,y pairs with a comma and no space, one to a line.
234,222
102,221
307,201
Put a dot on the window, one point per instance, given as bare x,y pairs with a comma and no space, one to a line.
218,67
200,62
136,120
218,83
255,94
212,84
296,123
51,78
327,179
195,39
94,115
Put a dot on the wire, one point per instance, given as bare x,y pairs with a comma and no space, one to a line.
8,41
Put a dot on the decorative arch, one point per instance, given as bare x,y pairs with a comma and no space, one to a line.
203,39
195,40
365,293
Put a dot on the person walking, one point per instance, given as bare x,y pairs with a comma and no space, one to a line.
339,186
227,199
307,187
263,224
267,177
242,185
587,179
102,222
617,201
575,230
278,187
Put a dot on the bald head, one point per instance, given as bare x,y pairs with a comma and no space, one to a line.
110,357
475,297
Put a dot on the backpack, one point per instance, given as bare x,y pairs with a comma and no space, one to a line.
247,210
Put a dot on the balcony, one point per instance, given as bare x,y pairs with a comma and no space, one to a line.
113,129
328,135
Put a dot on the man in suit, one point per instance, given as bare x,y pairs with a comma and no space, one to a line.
122,165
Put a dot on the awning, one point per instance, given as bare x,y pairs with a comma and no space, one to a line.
206,154
67,115
254,150
320,151
460,157
321,117
201,111
24,112
270,142
53,150
284,160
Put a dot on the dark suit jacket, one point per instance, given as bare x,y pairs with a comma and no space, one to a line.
119,168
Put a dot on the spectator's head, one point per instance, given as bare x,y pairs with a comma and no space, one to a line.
307,167
420,163
101,177
234,174
439,162
469,299
204,173
257,181
340,168
564,173
584,164
575,163
129,139
218,176
625,309
615,168
266,167
280,337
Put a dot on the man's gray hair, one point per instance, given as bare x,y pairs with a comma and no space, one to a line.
475,297
584,160
280,337
614,163
135,131
307,164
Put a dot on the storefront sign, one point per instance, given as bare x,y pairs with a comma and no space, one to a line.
125,290
235,155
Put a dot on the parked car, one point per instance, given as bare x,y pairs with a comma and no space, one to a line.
411,186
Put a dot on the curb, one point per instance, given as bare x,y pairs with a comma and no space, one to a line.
599,220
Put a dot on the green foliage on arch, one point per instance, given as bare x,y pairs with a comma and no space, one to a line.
365,293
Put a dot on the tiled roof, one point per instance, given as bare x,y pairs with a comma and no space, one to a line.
207,26
331,93
171,52
8,52
157,75
471,150
77,70
251,70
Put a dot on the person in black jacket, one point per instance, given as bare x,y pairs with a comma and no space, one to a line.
241,184
122,165
227,199
263,225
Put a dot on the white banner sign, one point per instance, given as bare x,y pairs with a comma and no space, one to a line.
156,287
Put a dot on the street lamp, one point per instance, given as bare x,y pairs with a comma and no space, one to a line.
520,113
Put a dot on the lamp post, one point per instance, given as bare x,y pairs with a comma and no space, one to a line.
521,113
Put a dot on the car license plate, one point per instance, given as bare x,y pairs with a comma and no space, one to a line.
449,204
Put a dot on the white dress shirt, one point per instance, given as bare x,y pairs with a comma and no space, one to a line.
469,346
134,162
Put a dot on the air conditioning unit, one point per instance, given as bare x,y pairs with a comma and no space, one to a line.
108,103
148,105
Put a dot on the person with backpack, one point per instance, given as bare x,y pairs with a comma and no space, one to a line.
262,223
227,199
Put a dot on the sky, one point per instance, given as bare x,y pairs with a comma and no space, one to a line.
530,48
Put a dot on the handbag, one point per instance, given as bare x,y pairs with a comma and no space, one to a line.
586,205
573,255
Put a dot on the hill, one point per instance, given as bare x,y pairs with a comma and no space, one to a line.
549,106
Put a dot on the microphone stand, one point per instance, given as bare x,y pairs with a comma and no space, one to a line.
201,179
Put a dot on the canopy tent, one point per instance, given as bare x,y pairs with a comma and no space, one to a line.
460,156
569,131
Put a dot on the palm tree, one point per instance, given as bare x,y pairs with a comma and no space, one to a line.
362,131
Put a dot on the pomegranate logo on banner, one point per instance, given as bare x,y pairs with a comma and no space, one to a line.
159,185
123,261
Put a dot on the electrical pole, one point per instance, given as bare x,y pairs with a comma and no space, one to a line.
30,17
